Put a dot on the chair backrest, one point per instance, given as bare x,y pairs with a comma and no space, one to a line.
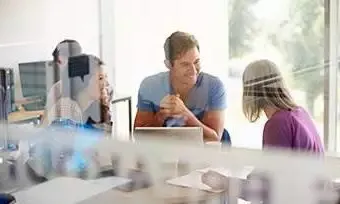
226,140
65,109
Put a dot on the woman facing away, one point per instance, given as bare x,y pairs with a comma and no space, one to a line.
289,126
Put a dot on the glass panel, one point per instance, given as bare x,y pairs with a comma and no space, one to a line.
27,77
288,32
140,39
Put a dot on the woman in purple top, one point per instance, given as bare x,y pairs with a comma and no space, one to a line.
289,126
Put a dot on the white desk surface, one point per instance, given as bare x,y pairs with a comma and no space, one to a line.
66,190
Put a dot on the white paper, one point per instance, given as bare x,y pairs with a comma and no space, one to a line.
225,172
60,190
220,170
192,180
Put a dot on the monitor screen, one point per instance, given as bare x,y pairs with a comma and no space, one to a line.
33,83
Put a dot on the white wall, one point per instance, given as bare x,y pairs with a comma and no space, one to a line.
30,29
135,31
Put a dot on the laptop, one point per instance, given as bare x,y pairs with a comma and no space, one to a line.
182,135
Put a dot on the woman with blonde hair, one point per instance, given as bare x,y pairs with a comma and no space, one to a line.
289,125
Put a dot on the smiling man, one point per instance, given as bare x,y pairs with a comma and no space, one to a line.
183,96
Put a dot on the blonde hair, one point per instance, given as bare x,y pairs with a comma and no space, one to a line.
263,86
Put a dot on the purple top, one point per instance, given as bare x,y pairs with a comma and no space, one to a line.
292,129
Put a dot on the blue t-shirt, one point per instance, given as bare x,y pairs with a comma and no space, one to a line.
207,95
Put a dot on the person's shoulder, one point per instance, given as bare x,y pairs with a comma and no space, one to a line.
154,80
286,117
53,95
55,88
280,118
293,114
210,79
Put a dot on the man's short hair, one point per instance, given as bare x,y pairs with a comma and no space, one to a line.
67,48
178,43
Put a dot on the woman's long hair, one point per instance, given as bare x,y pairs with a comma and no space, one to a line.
263,86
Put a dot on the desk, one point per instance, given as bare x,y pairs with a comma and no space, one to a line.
24,116
167,194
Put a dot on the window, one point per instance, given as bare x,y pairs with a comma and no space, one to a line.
290,33
338,115
336,86
331,88
231,33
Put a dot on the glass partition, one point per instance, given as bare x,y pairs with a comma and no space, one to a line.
232,33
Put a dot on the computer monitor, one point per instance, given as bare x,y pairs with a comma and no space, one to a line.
36,79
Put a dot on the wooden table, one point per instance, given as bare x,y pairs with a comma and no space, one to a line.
24,116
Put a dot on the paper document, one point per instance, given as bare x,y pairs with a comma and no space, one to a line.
61,190
225,172
192,180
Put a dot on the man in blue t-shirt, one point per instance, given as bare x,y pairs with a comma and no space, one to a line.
183,96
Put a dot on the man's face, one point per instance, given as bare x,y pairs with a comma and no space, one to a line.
186,68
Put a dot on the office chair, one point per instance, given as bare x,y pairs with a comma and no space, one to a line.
226,140
6,198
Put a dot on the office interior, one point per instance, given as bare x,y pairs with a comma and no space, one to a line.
301,36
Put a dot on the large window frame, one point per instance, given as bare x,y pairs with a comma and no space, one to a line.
331,53
331,68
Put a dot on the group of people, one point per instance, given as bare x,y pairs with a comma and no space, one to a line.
184,95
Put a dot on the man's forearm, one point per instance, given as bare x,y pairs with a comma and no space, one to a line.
208,133
155,121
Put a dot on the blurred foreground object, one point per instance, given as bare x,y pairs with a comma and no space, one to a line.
65,148
7,199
